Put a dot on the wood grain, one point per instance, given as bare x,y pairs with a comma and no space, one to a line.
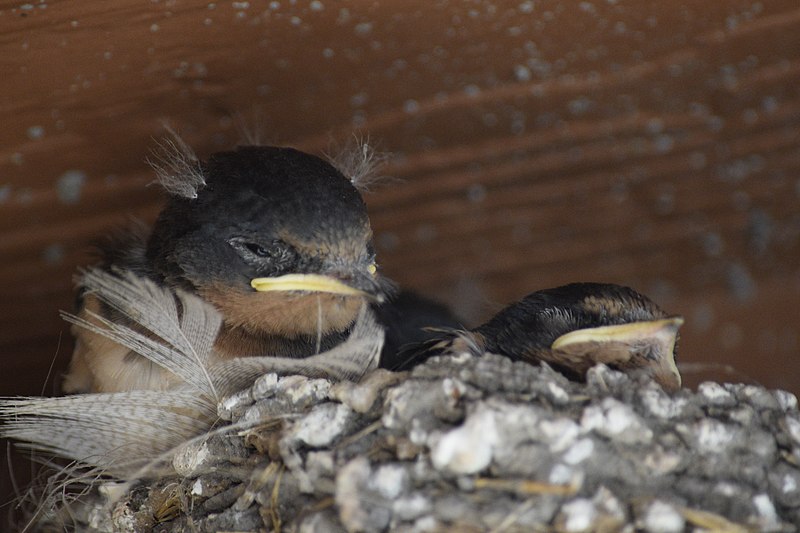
533,144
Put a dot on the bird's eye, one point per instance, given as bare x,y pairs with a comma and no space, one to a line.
372,268
257,249
275,253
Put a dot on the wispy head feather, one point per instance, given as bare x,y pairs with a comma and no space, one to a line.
177,167
358,161
250,128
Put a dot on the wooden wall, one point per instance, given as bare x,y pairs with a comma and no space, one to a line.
533,143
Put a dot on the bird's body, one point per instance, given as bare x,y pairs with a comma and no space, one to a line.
277,240
572,328
101,365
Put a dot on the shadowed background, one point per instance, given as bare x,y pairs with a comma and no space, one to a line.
533,143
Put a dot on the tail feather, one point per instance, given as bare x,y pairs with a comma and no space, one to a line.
120,431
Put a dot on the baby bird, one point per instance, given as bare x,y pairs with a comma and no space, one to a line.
277,240
572,328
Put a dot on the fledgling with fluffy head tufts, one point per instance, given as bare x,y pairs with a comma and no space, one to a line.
263,214
275,239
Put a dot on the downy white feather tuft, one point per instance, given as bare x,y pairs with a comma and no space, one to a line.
177,167
358,161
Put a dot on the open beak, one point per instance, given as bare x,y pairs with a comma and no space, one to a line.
637,346
311,283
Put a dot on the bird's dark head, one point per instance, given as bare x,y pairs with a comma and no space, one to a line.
261,227
619,326
581,324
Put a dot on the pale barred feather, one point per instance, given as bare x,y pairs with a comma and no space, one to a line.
189,333
127,431
120,431
200,324
358,161
347,361
153,350
350,360
178,169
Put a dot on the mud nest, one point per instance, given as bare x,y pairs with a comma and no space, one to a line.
476,444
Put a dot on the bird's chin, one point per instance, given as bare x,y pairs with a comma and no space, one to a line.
289,314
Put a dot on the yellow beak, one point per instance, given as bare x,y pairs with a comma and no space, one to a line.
619,345
305,282
620,332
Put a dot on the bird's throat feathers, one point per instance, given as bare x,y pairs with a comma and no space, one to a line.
284,314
